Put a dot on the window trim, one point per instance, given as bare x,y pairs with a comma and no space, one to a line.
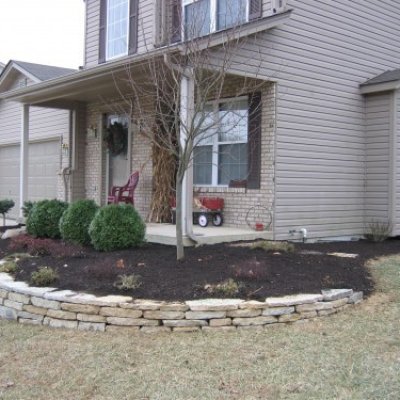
216,143
213,16
125,53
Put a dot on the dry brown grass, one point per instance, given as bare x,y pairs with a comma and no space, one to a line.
352,355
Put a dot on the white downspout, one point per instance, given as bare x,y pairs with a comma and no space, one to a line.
24,159
393,162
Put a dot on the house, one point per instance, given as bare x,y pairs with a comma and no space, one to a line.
48,127
327,160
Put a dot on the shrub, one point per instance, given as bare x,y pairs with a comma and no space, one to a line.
27,208
283,247
128,282
44,276
116,227
74,223
5,207
377,231
250,270
226,288
9,267
44,218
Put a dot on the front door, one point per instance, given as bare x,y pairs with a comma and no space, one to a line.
118,150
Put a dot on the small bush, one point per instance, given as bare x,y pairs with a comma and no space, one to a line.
43,247
44,218
10,267
128,282
44,276
27,208
74,223
250,270
5,206
377,231
225,289
280,247
116,227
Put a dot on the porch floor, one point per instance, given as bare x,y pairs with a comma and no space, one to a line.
165,234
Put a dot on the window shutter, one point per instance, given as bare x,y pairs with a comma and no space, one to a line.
133,26
176,21
102,31
255,9
254,141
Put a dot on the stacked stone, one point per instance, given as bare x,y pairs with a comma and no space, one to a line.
68,309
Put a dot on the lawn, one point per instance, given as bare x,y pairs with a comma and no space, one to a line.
351,355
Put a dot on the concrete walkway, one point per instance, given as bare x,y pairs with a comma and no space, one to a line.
165,234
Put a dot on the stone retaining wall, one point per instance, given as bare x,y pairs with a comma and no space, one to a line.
68,309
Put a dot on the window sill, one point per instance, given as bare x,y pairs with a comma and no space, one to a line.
216,189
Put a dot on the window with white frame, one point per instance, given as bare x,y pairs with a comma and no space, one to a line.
202,17
117,28
221,152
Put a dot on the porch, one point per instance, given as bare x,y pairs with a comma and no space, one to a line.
166,234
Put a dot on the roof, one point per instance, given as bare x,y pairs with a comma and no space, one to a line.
1,66
388,76
44,72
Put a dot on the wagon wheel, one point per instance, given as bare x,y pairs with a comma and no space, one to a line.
203,220
217,219
259,214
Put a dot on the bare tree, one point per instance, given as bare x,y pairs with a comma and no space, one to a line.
168,97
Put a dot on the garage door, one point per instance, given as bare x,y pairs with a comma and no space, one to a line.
43,169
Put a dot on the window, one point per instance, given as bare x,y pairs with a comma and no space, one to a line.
202,17
118,30
221,153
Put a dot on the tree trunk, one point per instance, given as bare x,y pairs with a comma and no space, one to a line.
180,254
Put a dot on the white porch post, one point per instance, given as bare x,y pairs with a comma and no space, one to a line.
186,110
24,158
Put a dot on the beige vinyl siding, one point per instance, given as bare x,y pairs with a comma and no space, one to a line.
378,150
44,123
396,227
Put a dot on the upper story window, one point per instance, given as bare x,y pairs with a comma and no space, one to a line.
118,31
202,17
117,28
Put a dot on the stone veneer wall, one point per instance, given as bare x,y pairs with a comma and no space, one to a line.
67,309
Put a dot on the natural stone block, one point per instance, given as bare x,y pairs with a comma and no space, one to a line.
1,301
35,291
249,313
27,315
91,326
29,321
214,304
155,329
218,329
35,310
336,294
111,300
80,308
289,317
8,313
186,329
20,298
13,304
91,318
308,314
253,304
323,313
3,294
253,321
314,306
39,302
61,314
356,298
122,329
174,307
220,322
4,277
144,305
339,303
184,322
60,295
60,323
250,327
276,311
131,321
120,312
293,300
164,315
205,314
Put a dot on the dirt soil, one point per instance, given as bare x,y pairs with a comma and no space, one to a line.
308,269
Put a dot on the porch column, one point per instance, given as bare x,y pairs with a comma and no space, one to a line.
24,158
186,110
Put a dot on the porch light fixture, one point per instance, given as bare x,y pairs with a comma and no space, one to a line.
92,131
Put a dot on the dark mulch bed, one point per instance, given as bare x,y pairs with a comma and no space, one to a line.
307,270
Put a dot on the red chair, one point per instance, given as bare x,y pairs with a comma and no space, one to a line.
124,193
